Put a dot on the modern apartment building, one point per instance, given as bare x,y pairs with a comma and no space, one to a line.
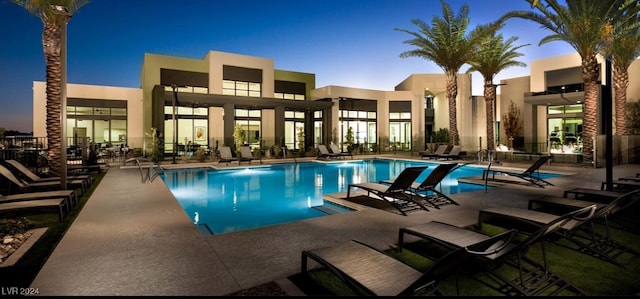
209,101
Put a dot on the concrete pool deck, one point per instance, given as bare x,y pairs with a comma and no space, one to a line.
133,238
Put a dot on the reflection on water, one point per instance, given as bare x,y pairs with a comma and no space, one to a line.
233,200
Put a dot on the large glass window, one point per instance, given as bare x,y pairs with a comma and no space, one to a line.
249,122
564,125
241,88
363,126
191,129
102,125
289,96
190,89
294,129
400,130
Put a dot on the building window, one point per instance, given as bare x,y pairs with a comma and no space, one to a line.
189,89
249,121
362,123
289,96
102,124
564,124
293,126
400,130
242,88
192,127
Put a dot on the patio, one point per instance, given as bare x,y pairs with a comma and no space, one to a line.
133,238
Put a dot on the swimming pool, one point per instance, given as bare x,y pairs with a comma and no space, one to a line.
224,201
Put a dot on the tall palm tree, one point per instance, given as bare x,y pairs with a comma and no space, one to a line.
447,43
54,24
583,25
624,48
494,55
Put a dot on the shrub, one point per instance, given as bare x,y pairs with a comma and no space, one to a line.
15,226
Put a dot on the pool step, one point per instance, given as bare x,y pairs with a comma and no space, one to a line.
327,209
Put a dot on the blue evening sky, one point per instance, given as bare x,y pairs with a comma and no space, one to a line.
344,42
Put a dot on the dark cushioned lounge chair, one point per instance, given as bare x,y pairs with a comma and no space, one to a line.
397,193
369,271
533,278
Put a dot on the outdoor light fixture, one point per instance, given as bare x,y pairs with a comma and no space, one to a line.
63,11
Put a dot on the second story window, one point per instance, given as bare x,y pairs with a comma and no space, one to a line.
241,88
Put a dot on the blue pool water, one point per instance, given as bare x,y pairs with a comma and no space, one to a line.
224,201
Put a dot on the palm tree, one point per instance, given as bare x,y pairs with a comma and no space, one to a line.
624,48
446,43
54,24
494,55
583,24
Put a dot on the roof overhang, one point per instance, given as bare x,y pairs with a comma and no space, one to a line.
568,98
216,100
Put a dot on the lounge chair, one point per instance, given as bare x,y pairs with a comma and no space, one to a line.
581,234
246,155
335,150
225,155
369,271
453,154
397,193
629,178
427,189
40,186
439,151
324,153
70,195
531,174
33,178
534,278
622,185
602,196
58,205
625,220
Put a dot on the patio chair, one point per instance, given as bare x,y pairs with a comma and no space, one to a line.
582,235
531,174
369,271
324,153
533,278
246,155
439,151
32,177
453,154
335,150
225,155
39,186
397,194
427,188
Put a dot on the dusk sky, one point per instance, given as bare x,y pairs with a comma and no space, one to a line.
344,42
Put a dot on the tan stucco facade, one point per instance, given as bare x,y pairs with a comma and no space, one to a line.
470,109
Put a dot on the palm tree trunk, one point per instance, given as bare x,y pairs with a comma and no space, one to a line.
590,71
51,39
620,85
489,98
452,93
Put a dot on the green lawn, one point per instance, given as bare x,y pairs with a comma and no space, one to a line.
591,275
